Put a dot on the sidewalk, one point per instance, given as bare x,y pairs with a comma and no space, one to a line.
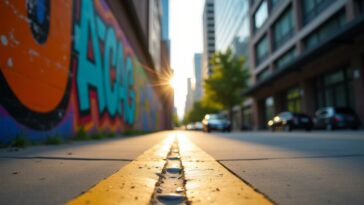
56,174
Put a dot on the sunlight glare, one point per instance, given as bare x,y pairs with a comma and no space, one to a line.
174,82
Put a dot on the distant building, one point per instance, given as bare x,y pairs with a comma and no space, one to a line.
198,91
166,70
153,17
155,30
208,22
189,96
305,55
165,19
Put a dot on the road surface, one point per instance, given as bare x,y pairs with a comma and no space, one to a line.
289,168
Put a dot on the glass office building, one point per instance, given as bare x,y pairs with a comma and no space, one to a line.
232,28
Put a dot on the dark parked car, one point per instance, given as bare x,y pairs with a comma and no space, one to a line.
331,118
216,122
290,121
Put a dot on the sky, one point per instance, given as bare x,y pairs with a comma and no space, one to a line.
185,31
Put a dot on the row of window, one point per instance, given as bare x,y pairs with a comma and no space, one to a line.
331,89
331,26
310,10
283,31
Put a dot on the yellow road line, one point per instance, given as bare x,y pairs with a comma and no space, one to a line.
133,184
208,182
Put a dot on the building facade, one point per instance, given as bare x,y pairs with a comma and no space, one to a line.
198,89
305,55
208,21
77,65
232,32
189,96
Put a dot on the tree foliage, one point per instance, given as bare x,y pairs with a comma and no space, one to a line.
227,81
198,111
176,121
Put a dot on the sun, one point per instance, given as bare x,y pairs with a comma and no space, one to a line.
174,82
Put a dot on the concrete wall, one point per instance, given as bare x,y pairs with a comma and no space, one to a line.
69,64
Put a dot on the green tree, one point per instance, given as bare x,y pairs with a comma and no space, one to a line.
176,121
199,110
228,80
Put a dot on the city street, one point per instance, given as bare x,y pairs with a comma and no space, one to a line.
82,82
289,168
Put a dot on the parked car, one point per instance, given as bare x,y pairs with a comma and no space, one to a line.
331,118
198,126
290,121
216,122
190,126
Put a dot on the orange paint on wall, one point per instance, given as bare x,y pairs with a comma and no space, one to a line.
37,73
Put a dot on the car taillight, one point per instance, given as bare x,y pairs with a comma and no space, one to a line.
337,119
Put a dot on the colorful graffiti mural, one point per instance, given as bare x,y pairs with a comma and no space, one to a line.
66,65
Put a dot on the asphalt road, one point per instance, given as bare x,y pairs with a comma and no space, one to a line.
289,168
294,168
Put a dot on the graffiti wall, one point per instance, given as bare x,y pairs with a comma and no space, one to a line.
66,65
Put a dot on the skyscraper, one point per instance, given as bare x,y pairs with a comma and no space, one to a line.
208,35
232,32
189,96
155,32
198,77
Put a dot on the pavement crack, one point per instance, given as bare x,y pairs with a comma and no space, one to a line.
66,158
170,188
302,157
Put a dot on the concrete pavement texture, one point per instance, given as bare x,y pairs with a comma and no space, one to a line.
290,168
56,174
293,168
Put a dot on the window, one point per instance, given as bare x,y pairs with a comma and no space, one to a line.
325,31
261,15
210,25
312,8
293,98
285,59
210,11
261,50
360,5
264,74
247,118
210,5
269,103
210,18
283,29
335,89
275,3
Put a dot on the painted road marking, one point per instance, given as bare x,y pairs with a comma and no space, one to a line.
132,184
206,181
170,188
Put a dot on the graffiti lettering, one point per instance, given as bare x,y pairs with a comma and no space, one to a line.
68,64
111,74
